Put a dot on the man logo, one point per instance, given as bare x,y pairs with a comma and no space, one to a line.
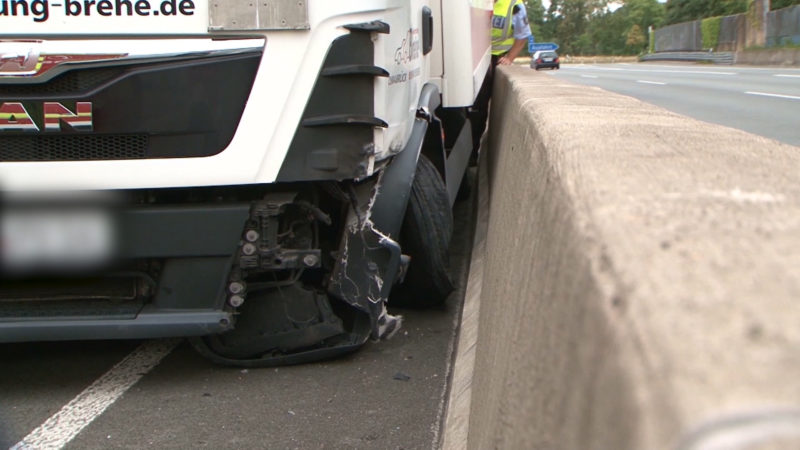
21,62
29,59
14,117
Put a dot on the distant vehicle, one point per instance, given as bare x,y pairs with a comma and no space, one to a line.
543,58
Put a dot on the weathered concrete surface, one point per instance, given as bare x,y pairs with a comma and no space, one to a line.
456,420
770,57
641,277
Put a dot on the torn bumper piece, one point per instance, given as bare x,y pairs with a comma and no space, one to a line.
368,264
370,260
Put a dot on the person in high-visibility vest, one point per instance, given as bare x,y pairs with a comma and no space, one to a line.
510,30
510,33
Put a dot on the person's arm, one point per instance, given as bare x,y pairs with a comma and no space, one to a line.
522,31
512,54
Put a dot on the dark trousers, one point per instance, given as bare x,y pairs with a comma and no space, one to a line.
480,110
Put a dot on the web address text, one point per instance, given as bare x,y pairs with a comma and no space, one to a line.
39,10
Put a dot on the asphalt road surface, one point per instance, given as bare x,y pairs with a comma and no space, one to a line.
160,394
763,101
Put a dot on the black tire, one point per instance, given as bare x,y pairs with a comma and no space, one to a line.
425,236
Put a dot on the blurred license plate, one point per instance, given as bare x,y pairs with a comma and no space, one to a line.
55,239
548,60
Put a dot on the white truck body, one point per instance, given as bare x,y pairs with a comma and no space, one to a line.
286,75
233,172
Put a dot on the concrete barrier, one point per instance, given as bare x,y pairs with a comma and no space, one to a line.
783,26
640,279
769,57
679,37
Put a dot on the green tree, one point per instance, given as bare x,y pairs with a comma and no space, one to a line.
552,19
687,10
683,10
641,14
644,13
613,32
536,14
584,27
575,16
635,39
726,8
778,4
607,33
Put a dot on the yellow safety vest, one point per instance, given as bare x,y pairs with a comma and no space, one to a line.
502,33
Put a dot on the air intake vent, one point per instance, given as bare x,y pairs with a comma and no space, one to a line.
73,148
69,83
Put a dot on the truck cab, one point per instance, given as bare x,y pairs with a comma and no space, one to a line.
263,178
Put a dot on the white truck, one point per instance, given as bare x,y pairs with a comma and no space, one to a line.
258,176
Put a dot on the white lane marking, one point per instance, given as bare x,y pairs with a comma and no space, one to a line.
740,69
786,75
76,415
767,94
651,82
692,72
588,76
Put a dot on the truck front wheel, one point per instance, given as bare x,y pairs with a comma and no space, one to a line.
425,236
